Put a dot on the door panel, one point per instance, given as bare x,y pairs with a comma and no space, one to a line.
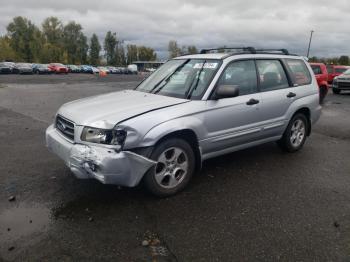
231,122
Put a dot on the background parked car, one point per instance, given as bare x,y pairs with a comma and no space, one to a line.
22,68
335,70
41,69
87,69
5,68
112,69
58,68
95,70
321,73
73,69
341,82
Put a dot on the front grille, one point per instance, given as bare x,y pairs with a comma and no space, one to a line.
345,85
65,127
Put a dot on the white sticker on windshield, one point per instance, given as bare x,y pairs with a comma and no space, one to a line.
206,65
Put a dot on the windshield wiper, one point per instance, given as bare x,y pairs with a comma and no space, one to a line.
190,90
155,89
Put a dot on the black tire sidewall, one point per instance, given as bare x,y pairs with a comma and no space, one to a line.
285,142
336,91
149,179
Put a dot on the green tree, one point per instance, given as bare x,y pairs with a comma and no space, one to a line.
83,49
120,54
191,49
131,54
95,49
146,53
110,45
24,38
174,49
6,51
344,60
75,43
52,29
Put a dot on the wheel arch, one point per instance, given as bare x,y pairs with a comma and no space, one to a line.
191,138
307,112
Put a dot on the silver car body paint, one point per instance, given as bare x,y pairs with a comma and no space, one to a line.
220,126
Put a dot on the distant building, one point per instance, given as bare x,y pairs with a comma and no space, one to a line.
147,65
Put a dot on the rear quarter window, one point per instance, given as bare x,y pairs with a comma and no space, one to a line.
299,72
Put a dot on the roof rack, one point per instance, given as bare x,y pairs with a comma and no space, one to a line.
245,49
271,50
248,49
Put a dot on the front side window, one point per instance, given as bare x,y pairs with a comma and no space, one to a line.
241,74
182,78
272,75
300,72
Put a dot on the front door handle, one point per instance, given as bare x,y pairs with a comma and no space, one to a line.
291,94
252,101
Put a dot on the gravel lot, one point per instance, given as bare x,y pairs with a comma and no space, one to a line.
257,204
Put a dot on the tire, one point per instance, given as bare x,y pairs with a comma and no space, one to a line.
176,166
323,93
292,142
336,91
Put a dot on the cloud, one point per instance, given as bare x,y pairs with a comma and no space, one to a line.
204,23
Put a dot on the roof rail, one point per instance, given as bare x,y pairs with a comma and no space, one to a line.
246,49
249,49
272,50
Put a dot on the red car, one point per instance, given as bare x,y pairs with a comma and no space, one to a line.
321,73
335,70
58,68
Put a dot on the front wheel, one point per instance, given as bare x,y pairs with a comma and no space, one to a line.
295,134
174,169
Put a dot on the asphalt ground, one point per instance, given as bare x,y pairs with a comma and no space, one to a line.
258,204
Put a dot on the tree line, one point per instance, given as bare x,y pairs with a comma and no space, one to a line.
342,60
66,43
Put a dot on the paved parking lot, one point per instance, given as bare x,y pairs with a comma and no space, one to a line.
257,204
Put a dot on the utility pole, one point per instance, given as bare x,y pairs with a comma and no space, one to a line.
308,50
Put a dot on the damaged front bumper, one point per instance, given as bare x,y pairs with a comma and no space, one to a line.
94,161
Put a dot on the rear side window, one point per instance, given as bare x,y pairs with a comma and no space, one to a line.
316,69
300,72
272,75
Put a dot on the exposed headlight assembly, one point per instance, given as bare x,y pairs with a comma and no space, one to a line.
104,136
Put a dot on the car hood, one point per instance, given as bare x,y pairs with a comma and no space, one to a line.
105,111
343,77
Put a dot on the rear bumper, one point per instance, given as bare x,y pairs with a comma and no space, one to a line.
104,164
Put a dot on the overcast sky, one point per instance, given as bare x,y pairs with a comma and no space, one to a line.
204,23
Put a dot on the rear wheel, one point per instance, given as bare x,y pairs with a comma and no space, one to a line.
294,136
336,91
174,169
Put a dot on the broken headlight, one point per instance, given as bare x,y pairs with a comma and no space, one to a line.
104,136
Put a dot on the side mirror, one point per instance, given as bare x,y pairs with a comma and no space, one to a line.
226,91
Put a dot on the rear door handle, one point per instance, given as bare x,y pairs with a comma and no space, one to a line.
252,101
291,94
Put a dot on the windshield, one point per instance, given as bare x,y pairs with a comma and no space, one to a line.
340,70
181,78
347,72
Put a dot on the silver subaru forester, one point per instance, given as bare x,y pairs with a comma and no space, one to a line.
192,108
